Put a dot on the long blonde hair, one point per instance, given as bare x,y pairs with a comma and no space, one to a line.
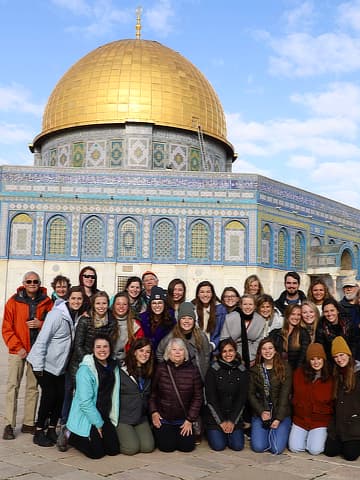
295,337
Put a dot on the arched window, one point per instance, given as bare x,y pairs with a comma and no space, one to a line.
56,236
283,248
299,251
346,262
164,242
93,236
128,239
21,235
235,242
315,242
266,244
199,241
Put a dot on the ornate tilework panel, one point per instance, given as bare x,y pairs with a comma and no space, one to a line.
138,152
21,235
3,228
159,155
64,155
110,237
299,252
182,238
217,240
178,157
128,239
146,238
194,160
265,244
283,248
78,154
116,153
200,242
95,154
235,242
164,242
75,228
56,237
39,231
53,157
93,238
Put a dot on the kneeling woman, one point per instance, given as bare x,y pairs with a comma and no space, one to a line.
134,431
176,399
312,402
344,430
226,389
269,393
95,407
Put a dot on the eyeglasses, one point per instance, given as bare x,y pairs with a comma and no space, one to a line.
230,296
29,282
89,276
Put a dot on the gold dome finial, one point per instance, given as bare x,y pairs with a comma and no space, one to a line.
138,22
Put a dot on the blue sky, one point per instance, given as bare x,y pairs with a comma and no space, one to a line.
286,72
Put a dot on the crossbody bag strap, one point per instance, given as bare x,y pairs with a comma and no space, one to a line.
176,389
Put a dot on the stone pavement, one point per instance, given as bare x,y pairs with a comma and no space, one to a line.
21,459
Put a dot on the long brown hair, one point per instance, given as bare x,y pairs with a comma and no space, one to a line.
199,307
178,332
170,292
278,364
295,337
145,370
314,282
345,377
130,317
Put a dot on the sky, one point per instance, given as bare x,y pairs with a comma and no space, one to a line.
287,73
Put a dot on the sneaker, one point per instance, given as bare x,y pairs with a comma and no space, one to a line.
41,439
8,433
28,429
52,435
62,439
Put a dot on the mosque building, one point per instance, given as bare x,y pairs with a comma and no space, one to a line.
132,172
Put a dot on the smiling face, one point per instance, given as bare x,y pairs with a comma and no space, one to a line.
341,359
76,300
101,306
266,310
142,355
291,286
228,353
318,293
101,350
121,306
157,306
331,314
254,287
248,305
177,354
134,290
88,278
31,284
186,323
308,315
268,352
61,289
178,293
149,281
205,295
316,363
295,317
230,299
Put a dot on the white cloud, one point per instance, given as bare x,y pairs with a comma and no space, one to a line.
242,166
159,17
341,99
17,98
349,14
78,7
11,133
300,17
302,162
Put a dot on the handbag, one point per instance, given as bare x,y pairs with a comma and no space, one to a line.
196,425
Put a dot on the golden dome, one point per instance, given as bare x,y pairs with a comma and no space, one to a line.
137,81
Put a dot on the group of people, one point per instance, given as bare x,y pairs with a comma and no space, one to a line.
147,368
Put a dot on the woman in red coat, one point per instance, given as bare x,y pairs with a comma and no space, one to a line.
312,403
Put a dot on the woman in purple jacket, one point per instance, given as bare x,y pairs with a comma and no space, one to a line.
176,399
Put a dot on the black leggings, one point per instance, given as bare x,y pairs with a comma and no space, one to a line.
94,446
350,450
52,396
168,439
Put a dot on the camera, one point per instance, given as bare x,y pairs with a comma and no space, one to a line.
266,424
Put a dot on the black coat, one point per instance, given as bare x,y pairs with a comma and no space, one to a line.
295,357
226,390
133,400
326,332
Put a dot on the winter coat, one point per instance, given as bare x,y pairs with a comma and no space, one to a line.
160,331
326,332
280,392
83,413
281,303
313,404
346,422
18,310
233,328
295,357
277,321
52,349
133,399
163,398
226,390
199,358
84,338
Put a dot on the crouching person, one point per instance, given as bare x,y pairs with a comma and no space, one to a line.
94,413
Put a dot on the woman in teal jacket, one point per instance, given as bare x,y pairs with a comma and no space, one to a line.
95,408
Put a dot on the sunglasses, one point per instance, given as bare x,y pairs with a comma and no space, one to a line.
89,276
29,282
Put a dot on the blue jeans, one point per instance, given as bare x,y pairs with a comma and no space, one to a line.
218,440
311,440
272,440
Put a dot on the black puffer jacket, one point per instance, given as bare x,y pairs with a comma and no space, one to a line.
226,390
326,332
295,356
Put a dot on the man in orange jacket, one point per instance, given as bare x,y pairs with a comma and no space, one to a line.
24,315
